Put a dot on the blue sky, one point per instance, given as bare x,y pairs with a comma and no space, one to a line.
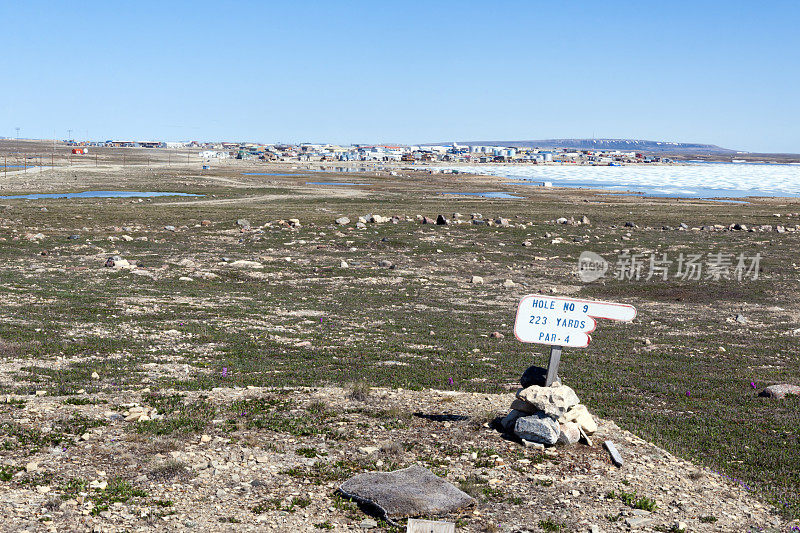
726,73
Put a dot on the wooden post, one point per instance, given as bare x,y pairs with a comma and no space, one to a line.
552,366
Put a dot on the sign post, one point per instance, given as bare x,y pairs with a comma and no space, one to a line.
552,365
563,322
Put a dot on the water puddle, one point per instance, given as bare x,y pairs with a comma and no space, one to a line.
97,194
504,195
266,174
334,183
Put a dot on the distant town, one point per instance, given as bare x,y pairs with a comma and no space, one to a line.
452,153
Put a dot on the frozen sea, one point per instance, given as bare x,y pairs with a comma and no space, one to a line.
692,180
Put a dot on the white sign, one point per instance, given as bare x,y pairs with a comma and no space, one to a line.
564,321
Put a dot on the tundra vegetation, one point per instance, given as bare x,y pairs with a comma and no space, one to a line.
186,321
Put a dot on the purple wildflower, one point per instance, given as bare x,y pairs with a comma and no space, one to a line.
224,371
449,381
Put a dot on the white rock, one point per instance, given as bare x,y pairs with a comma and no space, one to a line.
246,264
580,414
476,279
554,401
569,433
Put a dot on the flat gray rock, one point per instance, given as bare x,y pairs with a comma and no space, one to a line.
409,492
537,428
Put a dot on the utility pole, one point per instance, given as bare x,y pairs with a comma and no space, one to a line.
17,128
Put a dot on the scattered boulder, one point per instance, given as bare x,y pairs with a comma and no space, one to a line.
117,262
243,223
441,221
246,264
477,280
780,391
342,221
496,335
412,491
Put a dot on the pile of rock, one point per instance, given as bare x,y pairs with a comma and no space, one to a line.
549,415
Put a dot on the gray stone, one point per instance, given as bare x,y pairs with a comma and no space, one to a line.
368,523
342,221
780,391
741,319
508,422
537,428
616,458
638,521
554,401
412,491
170,228
243,223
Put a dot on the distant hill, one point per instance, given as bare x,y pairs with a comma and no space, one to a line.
610,144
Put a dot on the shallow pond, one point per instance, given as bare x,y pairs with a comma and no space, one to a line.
333,183
485,194
96,194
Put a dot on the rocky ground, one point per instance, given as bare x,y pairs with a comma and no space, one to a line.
227,361
273,459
